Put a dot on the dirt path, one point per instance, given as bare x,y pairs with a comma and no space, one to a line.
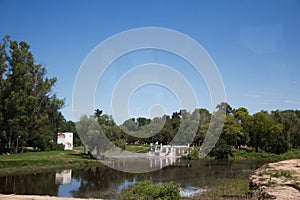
36,197
280,180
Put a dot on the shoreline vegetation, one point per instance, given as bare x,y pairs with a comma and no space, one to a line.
47,160
249,154
29,162
34,162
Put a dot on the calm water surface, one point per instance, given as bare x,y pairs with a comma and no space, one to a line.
105,182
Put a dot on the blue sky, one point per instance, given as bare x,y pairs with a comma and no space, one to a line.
255,45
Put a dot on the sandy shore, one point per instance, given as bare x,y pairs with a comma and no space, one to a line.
36,197
280,180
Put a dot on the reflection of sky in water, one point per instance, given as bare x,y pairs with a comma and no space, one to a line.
190,191
126,184
107,183
65,190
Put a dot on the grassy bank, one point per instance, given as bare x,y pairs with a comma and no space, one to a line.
261,155
238,154
227,188
137,148
40,161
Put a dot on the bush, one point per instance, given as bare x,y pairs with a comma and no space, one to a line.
148,191
53,146
120,143
194,155
221,151
39,142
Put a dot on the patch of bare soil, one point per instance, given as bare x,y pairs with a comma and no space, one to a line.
280,180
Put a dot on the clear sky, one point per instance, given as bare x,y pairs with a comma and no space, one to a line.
255,45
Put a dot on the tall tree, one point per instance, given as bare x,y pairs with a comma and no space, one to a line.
3,69
266,133
289,120
28,107
243,117
233,132
225,107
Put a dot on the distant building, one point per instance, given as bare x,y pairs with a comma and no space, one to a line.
65,139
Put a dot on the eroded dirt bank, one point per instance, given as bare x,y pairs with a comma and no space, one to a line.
280,180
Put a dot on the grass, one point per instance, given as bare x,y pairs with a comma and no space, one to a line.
276,173
40,161
239,154
284,173
261,155
137,148
226,188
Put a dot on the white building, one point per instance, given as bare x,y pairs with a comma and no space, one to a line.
65,139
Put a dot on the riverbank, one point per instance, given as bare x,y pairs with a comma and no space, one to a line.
219,179
238,154
29,162
42,161
280,180
36,197
242,154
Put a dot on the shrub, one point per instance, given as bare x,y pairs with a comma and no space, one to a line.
53,146
146,190
221,151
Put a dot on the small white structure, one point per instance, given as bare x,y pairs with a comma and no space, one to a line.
65,139
169,150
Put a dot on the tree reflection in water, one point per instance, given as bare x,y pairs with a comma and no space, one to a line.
104,182
39,184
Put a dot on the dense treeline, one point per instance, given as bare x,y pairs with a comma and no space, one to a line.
29,112
274,132
29,116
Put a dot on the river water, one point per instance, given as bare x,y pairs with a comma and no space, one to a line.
105,182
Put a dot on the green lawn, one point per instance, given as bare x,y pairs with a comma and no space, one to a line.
137,148
38,161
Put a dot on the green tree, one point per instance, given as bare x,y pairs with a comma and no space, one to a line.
204,120
28,106
243,117
233,132
225,107
295,135
266,133
142,121
130,125
221,151
188,126
289,120
92,135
